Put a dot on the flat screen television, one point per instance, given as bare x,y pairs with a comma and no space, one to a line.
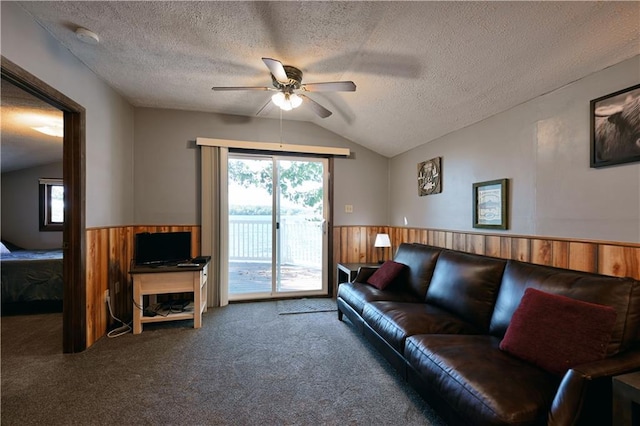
160,248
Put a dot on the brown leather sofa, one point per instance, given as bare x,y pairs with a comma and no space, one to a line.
442,320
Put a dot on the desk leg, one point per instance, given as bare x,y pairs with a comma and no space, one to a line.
137,310
197,302
204,296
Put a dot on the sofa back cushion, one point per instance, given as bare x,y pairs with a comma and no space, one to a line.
421,260
467,285
622,294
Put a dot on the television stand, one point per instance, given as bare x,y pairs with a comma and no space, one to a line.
150,281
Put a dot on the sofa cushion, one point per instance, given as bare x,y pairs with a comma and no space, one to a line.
556,332
480,381
357,294
622,294
386,274
467,285
421,261
395,321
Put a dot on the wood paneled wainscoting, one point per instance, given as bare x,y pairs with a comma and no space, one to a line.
109,255
354,244
110,250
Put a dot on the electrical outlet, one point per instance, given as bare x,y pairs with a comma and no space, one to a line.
348,208
106,295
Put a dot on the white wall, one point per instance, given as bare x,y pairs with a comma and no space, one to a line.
542,146
167,164
109,118
21,208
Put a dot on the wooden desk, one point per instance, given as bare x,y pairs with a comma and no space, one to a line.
162,280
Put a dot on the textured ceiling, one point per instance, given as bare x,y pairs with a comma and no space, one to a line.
422,69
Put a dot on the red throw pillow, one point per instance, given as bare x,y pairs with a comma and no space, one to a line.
556,332
385,274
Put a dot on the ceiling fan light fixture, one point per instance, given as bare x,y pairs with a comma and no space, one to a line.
286,101
286,79
278,99
296,100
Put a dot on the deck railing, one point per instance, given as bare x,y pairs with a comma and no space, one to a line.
250,239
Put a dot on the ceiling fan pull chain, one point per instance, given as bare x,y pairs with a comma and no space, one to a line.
280,127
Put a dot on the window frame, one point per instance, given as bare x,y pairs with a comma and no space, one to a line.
45,187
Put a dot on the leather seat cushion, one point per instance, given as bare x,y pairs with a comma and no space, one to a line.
357,295
481,381
395,321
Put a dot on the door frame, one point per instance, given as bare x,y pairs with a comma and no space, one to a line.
328,276
74,324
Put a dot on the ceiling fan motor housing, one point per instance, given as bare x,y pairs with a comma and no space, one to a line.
295,79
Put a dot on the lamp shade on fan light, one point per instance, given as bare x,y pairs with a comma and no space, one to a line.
382,241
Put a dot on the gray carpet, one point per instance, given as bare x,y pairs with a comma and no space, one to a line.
247,365
306,306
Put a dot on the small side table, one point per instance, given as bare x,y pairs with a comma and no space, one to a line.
348,271
162,280
626,399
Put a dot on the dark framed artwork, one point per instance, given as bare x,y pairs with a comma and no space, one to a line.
430,177
490,204
615,128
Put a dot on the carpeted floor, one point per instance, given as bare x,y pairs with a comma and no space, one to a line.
247,365
306,306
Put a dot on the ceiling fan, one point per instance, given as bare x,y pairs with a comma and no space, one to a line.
287,82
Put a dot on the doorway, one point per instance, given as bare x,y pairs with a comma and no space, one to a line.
277,220
74,326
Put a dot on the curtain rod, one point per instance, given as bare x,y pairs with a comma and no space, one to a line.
271,146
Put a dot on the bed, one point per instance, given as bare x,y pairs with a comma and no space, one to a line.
31,281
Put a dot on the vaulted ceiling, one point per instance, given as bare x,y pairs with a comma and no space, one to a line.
422,69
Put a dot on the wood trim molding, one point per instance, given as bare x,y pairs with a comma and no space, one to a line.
74,298
110,250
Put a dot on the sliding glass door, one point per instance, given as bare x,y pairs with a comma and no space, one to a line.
277,226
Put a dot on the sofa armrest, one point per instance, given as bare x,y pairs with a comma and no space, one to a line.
589,382
364,272
625,362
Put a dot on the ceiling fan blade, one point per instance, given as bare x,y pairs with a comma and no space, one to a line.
221,89
321,111
276,69
334,86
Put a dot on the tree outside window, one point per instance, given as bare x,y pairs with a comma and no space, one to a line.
51,204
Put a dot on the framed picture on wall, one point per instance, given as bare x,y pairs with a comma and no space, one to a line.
615,128
490,204
430,177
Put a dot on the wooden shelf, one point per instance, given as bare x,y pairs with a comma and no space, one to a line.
174,316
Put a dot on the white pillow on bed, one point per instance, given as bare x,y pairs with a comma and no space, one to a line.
3,249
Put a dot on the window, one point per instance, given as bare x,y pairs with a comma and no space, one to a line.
51,204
